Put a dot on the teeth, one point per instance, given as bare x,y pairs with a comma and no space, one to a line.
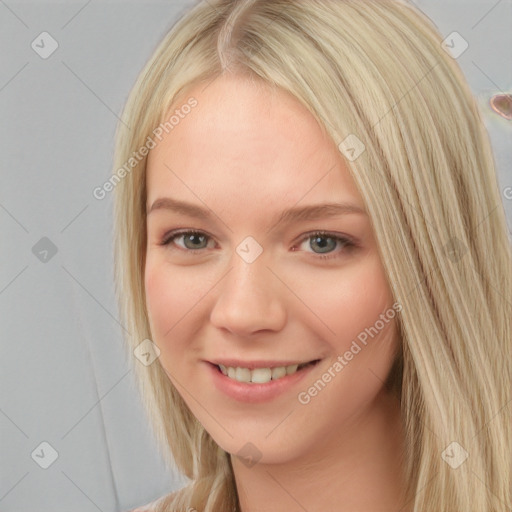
259,375
291,369
278,372
243,375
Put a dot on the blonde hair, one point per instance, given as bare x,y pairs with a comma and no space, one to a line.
377,70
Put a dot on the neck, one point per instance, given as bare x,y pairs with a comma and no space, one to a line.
358,470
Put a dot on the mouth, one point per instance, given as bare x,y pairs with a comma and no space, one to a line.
262,375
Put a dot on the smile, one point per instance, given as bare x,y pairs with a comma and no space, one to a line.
261,375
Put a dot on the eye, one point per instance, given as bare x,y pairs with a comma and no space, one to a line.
323,244
192,241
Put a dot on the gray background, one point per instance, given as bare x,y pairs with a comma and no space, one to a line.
65,377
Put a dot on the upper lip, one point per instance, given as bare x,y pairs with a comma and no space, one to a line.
237,363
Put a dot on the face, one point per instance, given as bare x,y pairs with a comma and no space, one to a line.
248,274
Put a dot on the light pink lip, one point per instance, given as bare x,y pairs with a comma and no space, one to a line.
255,393
237,363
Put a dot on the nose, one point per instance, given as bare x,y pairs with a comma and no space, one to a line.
249,298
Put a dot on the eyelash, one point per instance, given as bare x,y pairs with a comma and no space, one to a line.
346,242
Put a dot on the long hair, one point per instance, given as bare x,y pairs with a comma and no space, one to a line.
375,70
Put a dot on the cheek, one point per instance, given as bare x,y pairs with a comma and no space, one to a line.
349,301
362,345
170,297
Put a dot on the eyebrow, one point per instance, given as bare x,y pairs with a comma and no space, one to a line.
295,214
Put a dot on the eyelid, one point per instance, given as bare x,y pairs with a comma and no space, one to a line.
347,241
168,237
326,234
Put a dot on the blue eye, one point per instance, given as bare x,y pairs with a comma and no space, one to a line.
192,240
326,244
323,244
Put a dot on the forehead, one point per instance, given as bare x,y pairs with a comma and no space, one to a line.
245,139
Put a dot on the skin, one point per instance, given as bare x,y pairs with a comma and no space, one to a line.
247,153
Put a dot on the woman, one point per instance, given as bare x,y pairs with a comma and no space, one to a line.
313,262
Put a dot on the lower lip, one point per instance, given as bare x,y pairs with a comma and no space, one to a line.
256,393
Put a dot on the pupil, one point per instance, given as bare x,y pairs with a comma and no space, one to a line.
194,240
322,246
